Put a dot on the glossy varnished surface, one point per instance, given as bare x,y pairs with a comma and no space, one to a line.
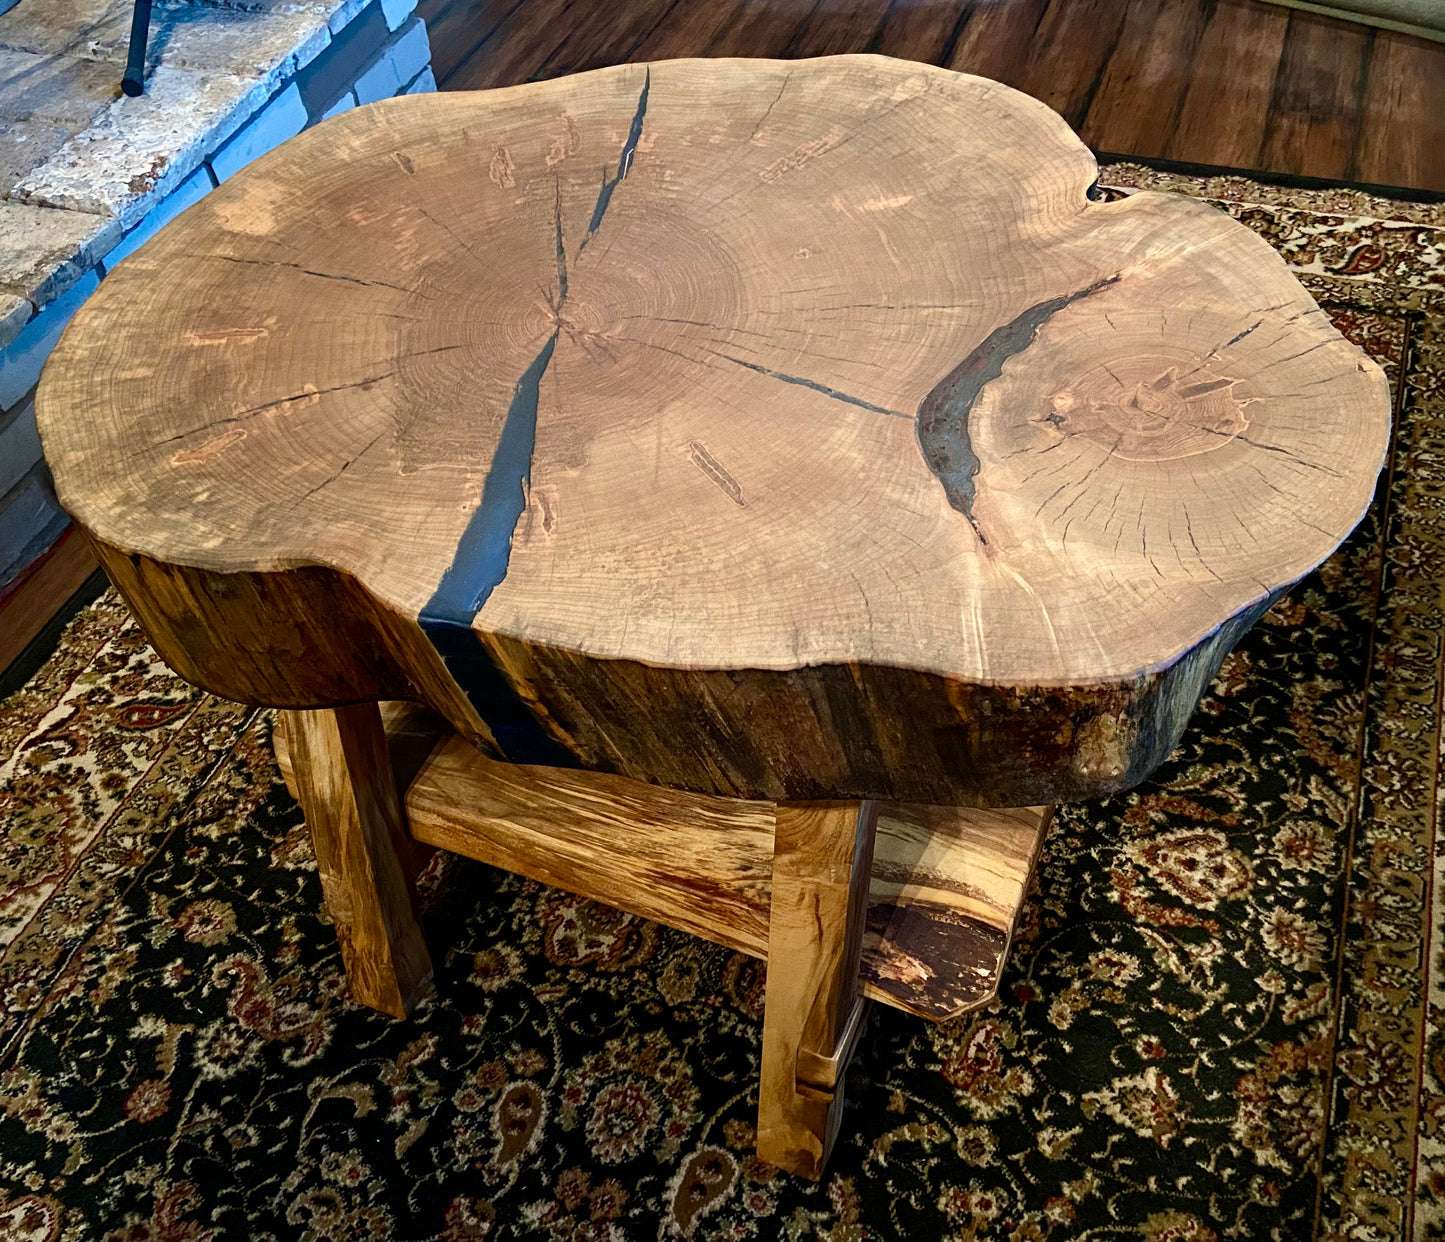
1230,83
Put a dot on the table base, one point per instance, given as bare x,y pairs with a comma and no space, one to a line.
849,902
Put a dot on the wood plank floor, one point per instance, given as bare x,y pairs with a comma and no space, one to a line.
1228,83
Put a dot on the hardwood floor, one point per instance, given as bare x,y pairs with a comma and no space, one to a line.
1229,83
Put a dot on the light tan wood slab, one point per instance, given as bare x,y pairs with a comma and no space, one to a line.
344,782
777,430
700,864
822,858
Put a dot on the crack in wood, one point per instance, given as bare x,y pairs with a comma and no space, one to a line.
307,394
762,120
1239,336
479,565
450,232
1272,448
813,384
345,466
561,250
484,549
308,271
624,164
943,434
1194,543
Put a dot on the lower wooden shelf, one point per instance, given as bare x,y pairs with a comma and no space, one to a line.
948,882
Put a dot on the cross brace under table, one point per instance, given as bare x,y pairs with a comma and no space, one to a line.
848,902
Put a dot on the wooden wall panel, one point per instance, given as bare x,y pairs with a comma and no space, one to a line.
1226,83
1315,112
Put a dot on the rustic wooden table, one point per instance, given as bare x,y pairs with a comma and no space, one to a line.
729,473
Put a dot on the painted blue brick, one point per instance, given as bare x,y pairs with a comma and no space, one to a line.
279,120
30,521
21,361
344,15
397,11
411,53
378,82
191,190
19,444
345,104
425,81
402,60
331,74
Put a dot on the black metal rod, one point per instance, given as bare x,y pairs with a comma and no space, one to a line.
133,83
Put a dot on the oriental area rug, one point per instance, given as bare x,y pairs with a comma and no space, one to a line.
1224,1016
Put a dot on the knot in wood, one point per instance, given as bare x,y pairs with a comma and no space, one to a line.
1149,409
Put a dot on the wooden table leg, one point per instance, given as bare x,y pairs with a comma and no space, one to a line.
345,785
822,863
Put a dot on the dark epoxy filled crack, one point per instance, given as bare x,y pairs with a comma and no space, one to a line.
943,432
1239,336
485,547
561,250
815,386
624,164
478,567
484,550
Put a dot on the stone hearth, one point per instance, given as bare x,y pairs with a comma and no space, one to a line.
88,174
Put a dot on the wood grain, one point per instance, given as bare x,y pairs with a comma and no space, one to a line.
946,892
525,446
946,888
1228,88
1006,42
822,859
343,777
688,29
1402,126
602,35
926,32
466,33
831,30
699,864
926,918
513,48
820,1072
1316,109
756,25
1150,59
1071,49
414,732
1186,80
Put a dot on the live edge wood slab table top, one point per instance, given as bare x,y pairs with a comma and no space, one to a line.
797,439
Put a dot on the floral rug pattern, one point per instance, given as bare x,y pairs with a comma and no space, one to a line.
1224,1017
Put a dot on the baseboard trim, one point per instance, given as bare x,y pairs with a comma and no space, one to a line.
1395,16
39,603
